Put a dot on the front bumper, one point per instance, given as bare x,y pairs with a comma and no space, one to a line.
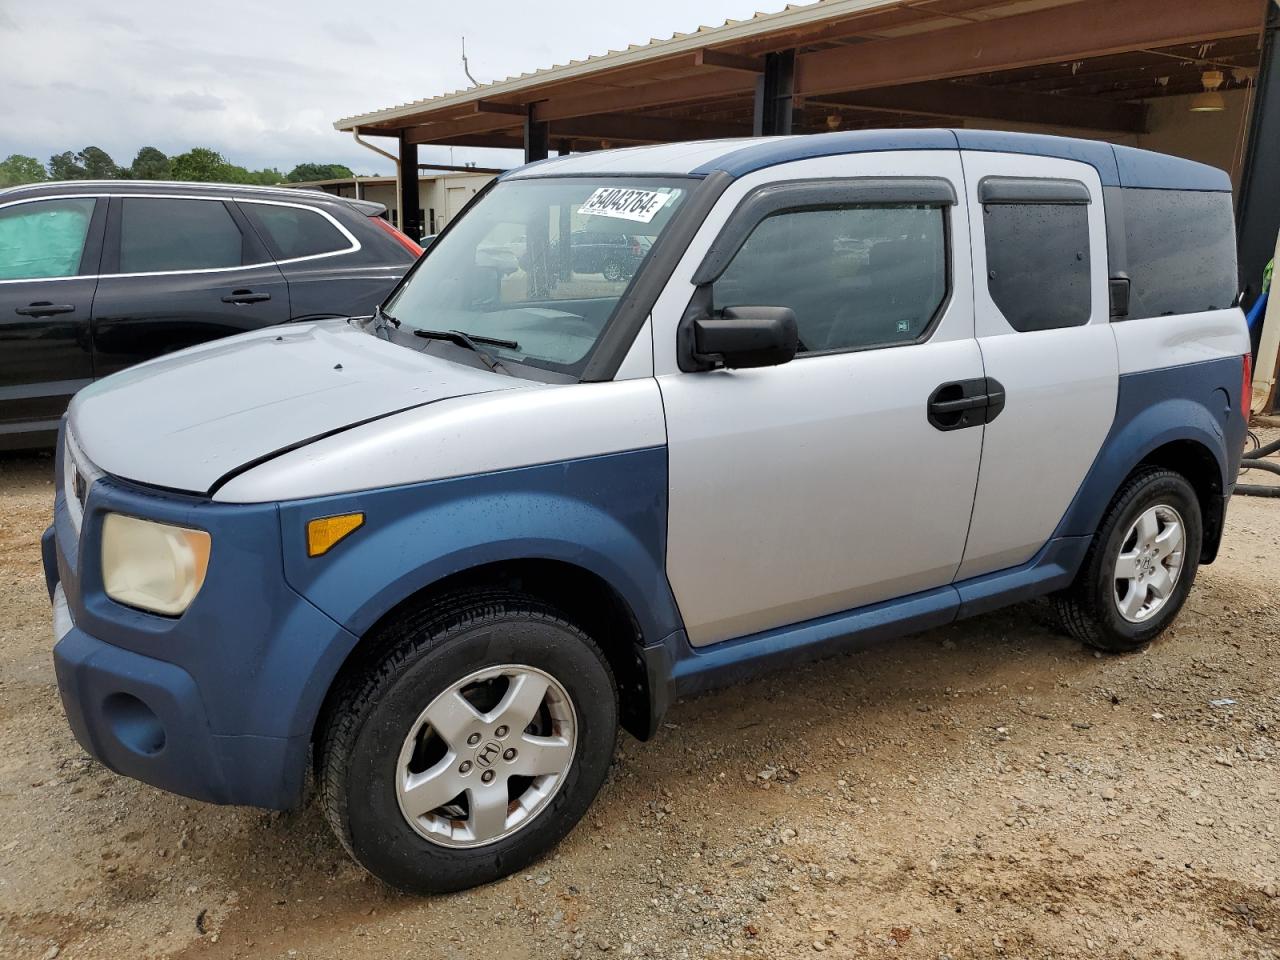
218,704
144,718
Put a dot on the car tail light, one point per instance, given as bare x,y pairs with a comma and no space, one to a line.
1246,390
398,237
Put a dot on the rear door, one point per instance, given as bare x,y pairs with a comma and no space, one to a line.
49,252
177,271
337,262
1043,325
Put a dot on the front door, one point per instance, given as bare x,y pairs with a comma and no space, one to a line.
178,271
49,249
821,485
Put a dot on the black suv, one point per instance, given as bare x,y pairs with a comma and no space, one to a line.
98,275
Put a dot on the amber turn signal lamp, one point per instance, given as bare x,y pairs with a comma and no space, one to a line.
324,533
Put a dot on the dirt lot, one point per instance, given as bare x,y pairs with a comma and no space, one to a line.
986,790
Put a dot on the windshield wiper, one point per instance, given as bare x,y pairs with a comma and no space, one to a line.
382,319
471,343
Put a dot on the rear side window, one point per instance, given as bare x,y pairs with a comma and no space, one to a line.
44,238
1181,249
856,277
1038,263
295,231
164,234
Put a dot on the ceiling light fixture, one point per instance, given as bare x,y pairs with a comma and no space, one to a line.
1211,101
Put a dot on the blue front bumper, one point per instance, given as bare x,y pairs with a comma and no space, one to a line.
218,704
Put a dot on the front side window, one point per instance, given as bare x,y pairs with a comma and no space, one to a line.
541,263
165,234
855,277
1038,263
295,231
44,238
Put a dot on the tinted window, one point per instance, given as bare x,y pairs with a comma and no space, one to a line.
157,233
296,232
856,276
44,238
1181,247
1038,263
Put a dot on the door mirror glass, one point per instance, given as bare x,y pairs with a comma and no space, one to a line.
741,337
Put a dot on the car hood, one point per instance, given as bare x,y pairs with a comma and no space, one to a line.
189,420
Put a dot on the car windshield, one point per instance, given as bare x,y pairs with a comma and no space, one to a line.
541,263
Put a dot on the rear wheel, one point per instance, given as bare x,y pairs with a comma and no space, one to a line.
472,746
1140,567
613,269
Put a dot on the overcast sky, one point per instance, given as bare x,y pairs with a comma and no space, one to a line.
263,81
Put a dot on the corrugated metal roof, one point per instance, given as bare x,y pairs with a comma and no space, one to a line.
793,15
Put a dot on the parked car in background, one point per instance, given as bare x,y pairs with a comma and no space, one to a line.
97,276
614,255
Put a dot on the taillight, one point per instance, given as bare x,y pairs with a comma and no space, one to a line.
1246,390
399,237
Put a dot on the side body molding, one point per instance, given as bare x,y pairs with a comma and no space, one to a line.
1196,402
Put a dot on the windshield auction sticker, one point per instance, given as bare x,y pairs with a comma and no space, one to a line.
624,203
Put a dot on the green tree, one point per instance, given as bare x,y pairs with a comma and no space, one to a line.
318,171
202,165
97,164
64,166
16,169
151,164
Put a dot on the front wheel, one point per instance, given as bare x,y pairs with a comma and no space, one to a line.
471,747
1140,567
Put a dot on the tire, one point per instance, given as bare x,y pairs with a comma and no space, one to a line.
367,759
1093,608
613,270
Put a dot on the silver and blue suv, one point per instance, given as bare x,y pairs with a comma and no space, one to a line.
861,384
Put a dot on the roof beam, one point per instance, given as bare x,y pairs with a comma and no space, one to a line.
1077,31
661,94
462,126
728,61
942,98
633,128
490,106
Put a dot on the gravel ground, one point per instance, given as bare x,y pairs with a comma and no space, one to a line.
986,790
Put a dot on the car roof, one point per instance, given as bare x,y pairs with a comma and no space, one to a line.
57,187
1116,165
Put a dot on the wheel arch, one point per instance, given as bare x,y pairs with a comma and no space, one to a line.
584,597
1177,433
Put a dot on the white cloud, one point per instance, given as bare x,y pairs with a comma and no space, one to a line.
263,83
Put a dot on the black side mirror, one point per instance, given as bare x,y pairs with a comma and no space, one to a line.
740,337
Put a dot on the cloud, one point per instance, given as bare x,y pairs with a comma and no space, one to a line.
263,83
197,102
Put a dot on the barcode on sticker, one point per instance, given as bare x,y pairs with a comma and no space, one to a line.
624,203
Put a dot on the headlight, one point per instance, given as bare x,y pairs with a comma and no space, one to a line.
153,566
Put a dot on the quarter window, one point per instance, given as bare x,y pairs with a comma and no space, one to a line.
1181,250
856,277
44,238
161,233
296,231
1038,263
